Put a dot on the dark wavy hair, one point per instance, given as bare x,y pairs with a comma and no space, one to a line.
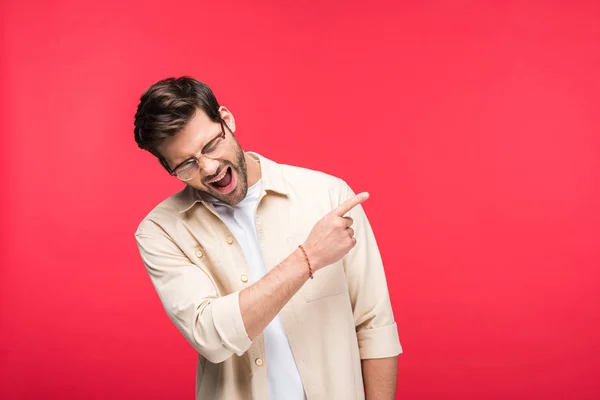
167,106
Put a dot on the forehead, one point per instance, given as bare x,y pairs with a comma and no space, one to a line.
188,141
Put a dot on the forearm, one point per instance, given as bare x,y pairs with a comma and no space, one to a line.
379,377
262,301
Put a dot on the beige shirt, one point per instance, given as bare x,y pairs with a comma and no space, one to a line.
341,316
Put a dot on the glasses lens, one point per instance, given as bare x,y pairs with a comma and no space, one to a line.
187,171
216,148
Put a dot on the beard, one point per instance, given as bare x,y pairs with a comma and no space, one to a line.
239,168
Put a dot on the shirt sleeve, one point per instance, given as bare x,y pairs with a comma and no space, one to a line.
376,329
212,324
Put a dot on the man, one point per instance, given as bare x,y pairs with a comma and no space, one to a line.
280,292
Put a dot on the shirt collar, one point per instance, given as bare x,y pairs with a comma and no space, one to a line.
271,176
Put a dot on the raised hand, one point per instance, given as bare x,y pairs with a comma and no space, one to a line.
332,237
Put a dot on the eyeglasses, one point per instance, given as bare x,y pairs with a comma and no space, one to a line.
190,168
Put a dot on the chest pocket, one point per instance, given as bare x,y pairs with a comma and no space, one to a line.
328,281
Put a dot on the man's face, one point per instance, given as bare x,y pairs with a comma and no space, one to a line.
192,139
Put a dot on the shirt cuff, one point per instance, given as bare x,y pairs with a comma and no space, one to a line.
227,317
379,342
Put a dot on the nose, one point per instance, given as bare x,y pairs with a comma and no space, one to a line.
208,167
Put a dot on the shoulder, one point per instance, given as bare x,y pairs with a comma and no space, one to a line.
312,180
314,188
166,213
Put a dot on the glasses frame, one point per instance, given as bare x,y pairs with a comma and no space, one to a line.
196,158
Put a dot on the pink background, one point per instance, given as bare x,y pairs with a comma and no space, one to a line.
474,125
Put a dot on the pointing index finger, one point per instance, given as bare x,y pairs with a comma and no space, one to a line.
350,204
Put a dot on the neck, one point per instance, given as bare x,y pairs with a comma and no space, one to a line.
253,168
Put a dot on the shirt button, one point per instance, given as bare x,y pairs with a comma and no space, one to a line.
199,254
230,239
244,278
258,362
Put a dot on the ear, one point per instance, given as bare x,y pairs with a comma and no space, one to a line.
227,117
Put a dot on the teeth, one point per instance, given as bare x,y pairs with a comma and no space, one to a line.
220,179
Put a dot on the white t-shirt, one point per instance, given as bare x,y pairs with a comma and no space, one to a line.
282,372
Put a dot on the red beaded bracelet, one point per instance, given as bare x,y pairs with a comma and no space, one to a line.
310,271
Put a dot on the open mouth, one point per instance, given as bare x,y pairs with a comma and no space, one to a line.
226,183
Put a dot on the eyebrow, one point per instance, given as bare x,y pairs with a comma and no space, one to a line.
198,152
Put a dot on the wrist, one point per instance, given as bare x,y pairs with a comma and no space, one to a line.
308,264
312,257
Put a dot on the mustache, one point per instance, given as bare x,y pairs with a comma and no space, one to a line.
208,178
241,170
